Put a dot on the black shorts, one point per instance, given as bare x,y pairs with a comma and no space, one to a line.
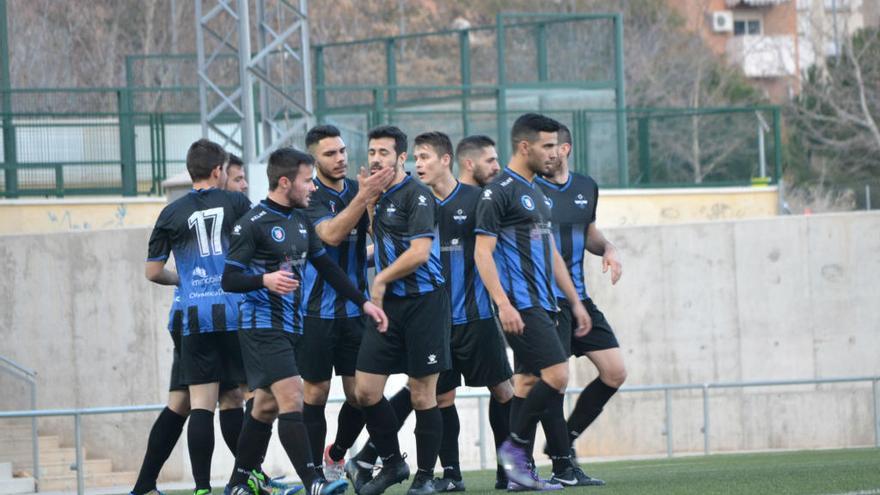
539,346
601,335
177,375
417,340
209,357
326,345
269,355
479,354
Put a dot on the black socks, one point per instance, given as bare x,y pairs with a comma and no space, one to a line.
200,435
163,436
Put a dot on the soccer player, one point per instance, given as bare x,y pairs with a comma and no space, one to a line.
196,229
270,246
573,198
410,287
478,348
518,262
235,179
477,160
333,326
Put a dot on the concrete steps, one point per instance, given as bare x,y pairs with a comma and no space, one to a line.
55,462
10,485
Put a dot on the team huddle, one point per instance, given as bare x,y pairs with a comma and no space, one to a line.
271,300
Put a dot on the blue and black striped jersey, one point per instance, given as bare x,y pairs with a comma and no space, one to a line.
265,240
196,229
175,314
516,212
405,212
469,298
320,300
573,209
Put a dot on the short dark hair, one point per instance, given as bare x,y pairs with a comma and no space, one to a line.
235,161
319,132
471,144
203,157
563,134
285,162
389,131
528,125
439,141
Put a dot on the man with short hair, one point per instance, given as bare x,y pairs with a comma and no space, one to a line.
478,348
518,263
574,198
270,246
332,326
477,160
410,286
196,229
235,179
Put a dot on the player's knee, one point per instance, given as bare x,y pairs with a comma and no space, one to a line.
556,376
502,392
316,393
447,399
366,397
231,399
422,398
614,377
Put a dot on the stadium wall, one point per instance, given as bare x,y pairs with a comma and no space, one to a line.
617,207
781,298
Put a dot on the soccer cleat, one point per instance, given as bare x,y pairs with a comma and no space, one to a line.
448,485
516,465
260,483
390,474
323,487
202,491
575,476
537,483
154,491
333,470
422,484
357,474
500,479
237,490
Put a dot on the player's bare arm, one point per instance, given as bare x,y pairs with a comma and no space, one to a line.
156,272
563,280
511,321
415,256
332,232
598,245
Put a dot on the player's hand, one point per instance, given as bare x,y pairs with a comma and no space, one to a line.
378,316
582,320
377,292
280,282
612,260
371,186
511,321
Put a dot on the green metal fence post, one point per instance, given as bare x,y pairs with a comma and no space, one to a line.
620,103
645,148
391,70
321,100
501,96
126,143
777,144
10,155
541,41
464,55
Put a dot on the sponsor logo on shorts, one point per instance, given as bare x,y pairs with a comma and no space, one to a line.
432,359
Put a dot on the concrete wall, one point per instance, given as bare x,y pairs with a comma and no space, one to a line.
26,216
788,297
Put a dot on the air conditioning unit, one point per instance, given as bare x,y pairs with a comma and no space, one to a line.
722,21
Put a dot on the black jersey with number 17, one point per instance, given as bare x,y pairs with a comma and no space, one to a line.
516,212
196,229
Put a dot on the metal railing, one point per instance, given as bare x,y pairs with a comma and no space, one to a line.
28,376
482,398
